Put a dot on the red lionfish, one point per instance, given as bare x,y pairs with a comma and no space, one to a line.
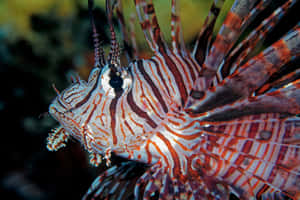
206,123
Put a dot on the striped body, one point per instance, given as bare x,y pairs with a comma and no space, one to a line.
125,120
206,123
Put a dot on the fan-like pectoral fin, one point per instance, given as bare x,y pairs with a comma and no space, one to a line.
259,154
155,183
242,52
117,182
248,78
227,36
158,182
285,101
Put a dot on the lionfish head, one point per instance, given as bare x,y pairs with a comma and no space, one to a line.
83,109
73,107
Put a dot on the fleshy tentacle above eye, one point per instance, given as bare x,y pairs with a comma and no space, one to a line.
99,52
114,54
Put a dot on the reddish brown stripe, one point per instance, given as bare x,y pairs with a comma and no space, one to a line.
229,172
233,141
86,109
160,74
186,137
247,146
149,155
71,95
149,9
86,98
282,52
145,25
233,21
282,154
87,122
213,139
264,188
152,85
112,110
172,151
159,151
253,129
174,16
221,128
129,128
176,73
90,115
189,67
139,111
221,46
239,160
272,175
60,103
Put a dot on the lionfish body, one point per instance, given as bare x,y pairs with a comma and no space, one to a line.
206,123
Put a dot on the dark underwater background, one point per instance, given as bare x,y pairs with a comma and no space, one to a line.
43,42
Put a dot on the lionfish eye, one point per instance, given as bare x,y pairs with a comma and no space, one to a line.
116,81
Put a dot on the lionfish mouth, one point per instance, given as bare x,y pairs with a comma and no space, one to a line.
206,123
